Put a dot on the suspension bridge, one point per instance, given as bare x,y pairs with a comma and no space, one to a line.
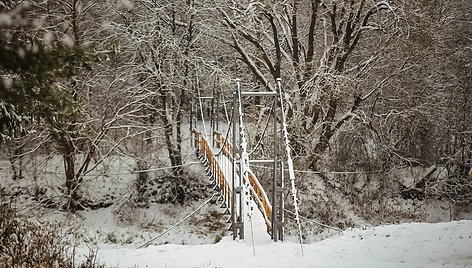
253,209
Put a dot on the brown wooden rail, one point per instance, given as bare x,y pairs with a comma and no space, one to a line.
202,145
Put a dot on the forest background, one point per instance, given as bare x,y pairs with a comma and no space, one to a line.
376,90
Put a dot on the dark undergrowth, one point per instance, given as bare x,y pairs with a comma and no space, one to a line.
29,244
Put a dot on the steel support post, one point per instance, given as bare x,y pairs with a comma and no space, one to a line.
280,190
277,168
273,219
237,221
239,189
233,171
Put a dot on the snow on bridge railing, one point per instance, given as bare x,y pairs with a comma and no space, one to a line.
257,190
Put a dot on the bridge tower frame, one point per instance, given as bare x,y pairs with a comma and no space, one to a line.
237,193
277,200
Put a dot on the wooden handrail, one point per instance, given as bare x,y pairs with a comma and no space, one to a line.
261,198
258,191
220,180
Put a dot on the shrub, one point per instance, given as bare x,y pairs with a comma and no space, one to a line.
25,243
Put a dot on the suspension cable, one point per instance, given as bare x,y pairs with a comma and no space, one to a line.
227,133
264,131
201,111
179,222
313,221
244,154
244,170
291,171
128,172
224,106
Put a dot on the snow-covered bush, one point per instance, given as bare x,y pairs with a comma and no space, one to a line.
24,243
168,189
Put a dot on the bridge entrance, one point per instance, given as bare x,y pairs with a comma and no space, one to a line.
228,159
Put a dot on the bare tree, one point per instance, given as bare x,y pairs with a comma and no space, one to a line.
321,49
162,40
94,96
417,120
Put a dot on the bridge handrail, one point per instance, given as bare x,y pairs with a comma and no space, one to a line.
220,180
261,197
258,191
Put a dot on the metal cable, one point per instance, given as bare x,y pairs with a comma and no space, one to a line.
128,172
224,106
178,223
201,111
291,171
313,221
264,131
227,133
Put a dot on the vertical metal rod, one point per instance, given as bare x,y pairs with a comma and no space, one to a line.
191,115
274,177
213,118
233,176
280,138
240,180
195,112
217,111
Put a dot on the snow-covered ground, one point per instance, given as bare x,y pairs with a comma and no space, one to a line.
116,231
406,245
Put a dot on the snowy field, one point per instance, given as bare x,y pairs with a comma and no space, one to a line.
406,245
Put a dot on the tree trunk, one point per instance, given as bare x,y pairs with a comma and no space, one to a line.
72,182
172,139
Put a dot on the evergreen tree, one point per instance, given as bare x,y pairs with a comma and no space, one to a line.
29,70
